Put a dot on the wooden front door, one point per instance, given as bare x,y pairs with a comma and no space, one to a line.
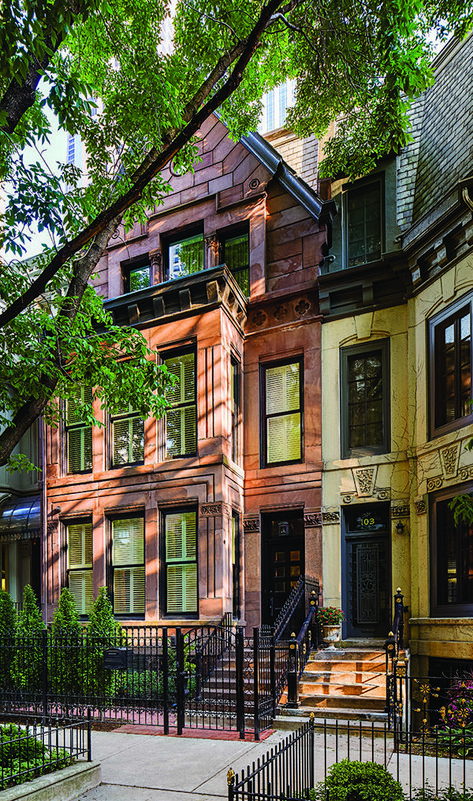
283,560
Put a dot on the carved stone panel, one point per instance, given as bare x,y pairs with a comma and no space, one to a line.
365,479
330,516
251,524
449,459
313,519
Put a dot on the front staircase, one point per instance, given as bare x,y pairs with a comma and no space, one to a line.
346,683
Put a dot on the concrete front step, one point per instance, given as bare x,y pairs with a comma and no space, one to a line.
337,688
332,718
354,702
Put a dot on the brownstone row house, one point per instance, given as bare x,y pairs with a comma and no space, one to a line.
216,507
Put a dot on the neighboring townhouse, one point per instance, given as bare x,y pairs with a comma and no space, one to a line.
396,298
216,507
21,530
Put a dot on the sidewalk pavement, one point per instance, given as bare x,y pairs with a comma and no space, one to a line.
150,767
147,767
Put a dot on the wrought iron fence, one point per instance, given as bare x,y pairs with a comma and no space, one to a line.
303,760
28,750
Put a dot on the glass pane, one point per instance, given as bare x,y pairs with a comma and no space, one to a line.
181,431
364,225
235,252
183,368
186,256
128,541
181,585
181,536
139,278
128,440
80,396
284,438
282,388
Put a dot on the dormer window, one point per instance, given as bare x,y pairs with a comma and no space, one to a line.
363,224
235,254
185,256
137,277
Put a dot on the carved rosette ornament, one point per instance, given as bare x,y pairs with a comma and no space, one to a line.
302,307
280,312
466,473
434,483
259,318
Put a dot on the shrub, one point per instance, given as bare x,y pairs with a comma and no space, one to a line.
359,781
447,794
27,665
66,656
7,629
23,756
103,631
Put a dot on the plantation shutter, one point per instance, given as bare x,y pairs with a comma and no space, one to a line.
283,421
79,435
128,566
181,423
128,440
79,565
181,563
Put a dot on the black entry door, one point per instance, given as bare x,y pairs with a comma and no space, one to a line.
283,560
367,573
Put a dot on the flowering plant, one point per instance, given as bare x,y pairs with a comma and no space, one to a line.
330,615
456,730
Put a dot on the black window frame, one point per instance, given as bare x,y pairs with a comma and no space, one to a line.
235,400
361,189
116,418
264,367
111,567
438,552
435,325
227,235
383,345
164,513
80,521
178,236
128,269
78,426
171,354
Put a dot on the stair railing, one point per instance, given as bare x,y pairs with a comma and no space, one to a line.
395,671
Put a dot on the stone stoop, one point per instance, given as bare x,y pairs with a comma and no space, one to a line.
344,684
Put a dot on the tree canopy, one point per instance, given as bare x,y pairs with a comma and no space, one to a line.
100,68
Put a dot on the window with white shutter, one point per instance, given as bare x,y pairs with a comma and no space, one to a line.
282,413
78,433
181,418
180,557
79,565
128,566
128,442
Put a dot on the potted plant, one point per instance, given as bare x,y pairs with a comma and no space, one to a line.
330,619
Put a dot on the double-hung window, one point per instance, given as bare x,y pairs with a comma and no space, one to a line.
128,567
127,438
451,559
185,255
364,371
282,413
180,546
181,418
235,254
363,224
451,368
78,432
79,565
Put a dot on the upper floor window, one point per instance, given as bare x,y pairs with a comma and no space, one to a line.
181,418
138,277
78,432
363,224
128,569
185,256
451,368
127,438
236,408
79,565
451,559
282,413
235,254
365,398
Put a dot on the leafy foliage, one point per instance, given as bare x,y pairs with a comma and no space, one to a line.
102,632
100,69
456,731
24,757
27,663
66,653
358,781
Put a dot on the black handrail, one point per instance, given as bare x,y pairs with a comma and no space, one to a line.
302,589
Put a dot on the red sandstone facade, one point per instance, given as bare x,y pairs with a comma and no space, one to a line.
223,496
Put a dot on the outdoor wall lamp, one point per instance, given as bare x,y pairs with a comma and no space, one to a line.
400,527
